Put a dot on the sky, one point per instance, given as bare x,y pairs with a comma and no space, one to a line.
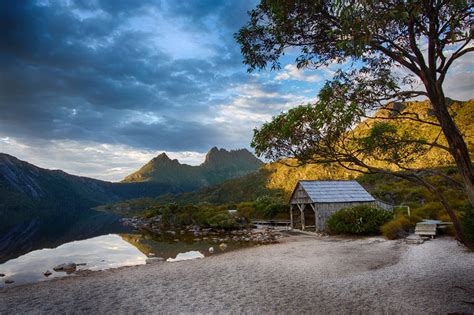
97,88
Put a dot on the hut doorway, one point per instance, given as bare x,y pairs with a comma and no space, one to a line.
303,216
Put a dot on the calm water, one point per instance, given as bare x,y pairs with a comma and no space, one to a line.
98,253
113,251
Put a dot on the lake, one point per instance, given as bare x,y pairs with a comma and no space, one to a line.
99,241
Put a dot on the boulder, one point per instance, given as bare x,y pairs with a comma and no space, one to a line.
2,275
47,273
9,281
211,250
223,246
68,267
153,260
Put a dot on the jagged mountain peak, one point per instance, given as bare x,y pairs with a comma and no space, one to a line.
163,158
219,164
217,156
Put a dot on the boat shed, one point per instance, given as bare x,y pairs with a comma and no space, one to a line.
317,200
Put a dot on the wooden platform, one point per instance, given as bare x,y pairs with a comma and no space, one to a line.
430,227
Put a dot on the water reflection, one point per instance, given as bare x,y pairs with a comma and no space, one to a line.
98,253
116,250
166,245
52,231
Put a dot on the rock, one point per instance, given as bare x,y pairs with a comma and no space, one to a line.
68,267
47,273
151,255
211,250
223,246
153,260
2,275
9,281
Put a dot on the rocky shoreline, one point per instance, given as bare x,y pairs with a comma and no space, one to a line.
265,235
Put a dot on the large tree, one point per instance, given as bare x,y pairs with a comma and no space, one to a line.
394,45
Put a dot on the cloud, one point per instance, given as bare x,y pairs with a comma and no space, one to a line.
139,73
139,76
291,72
253,105
91,159
459,83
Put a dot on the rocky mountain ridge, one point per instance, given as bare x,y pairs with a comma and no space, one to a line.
218,166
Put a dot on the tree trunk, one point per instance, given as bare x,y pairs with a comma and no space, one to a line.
456,144
456,224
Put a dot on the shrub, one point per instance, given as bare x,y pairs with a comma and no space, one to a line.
396,228
246,210
360,220
430,210
467,223
151,212
274,209
222,220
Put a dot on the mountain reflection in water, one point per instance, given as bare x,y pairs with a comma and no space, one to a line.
98,253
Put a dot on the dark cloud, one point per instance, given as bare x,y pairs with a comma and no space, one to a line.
81,70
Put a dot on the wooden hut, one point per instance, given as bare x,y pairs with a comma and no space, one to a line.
314,201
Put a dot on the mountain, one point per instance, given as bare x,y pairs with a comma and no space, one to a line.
28,191
218,166
278,180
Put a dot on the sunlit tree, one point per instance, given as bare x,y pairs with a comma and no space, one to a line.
400,50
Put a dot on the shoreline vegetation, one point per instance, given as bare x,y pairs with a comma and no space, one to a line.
402,194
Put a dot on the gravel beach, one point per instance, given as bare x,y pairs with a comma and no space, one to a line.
303,274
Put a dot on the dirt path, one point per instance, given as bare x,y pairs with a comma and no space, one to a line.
303,275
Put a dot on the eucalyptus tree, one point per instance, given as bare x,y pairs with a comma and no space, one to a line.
400,50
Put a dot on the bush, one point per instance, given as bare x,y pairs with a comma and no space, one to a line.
360,220
273,210
246,210
222,220
396,228
467,223
264,207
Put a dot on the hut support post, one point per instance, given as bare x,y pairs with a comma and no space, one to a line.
301,207
291,216
313,206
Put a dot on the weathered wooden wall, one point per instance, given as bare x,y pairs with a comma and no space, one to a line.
300,196
325,210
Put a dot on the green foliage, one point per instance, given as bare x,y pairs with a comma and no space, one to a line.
396,228
243,189
467,222
266,207
359,220
222,220
175,216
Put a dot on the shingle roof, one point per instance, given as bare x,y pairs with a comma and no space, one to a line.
335,191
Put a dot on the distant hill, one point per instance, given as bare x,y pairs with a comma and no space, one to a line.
218,166
277,179
28,191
